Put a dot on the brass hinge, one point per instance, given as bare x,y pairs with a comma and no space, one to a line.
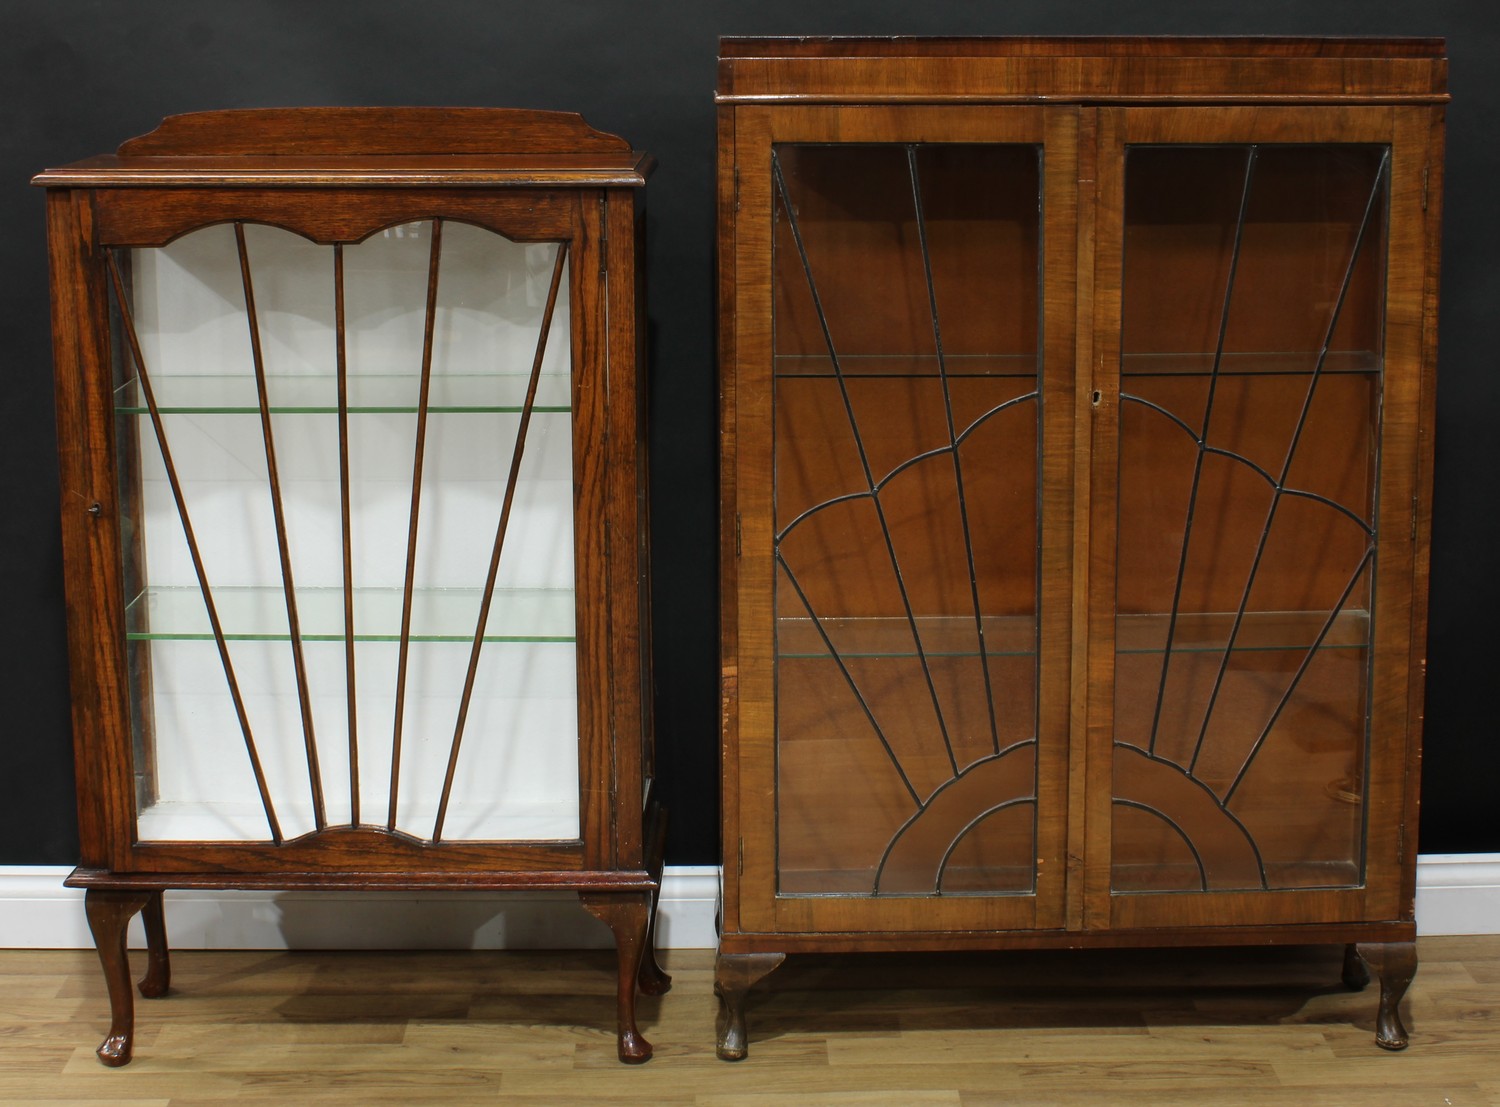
737,535
1424,186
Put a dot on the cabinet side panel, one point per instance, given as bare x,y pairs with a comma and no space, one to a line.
1433,121
728,528
627,568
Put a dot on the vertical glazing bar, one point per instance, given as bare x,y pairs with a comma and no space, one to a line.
289,590
958,467
1291,453
1208,414
192,543
864,461
341,357
500,528
424,391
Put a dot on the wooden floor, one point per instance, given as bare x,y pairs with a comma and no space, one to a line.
1159,1028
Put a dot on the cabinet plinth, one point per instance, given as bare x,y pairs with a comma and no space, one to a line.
351,417
1077,444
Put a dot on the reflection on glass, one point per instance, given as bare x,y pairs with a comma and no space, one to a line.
1246,546
906,361
270,743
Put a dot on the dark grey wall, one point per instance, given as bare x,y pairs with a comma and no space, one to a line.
79,76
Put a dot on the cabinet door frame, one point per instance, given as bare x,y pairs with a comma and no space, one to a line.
1386,891
752,902
90,224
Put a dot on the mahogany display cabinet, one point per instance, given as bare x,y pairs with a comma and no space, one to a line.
351,418
1077,409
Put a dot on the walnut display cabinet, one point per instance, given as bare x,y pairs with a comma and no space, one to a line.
1077,399
351,418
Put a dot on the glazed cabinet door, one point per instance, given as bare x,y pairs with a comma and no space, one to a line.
1258,323
902,529
350,437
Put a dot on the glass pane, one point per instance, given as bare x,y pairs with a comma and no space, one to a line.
906,438
1250,400
316,711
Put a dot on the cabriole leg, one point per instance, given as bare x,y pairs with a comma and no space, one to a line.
109,912
653,981
1356,972
158,976
1395,963
734,975
628,915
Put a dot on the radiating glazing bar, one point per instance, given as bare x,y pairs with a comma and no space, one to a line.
500,528
1279,484
864,460
341,361
958,468
192,543
283,550
1312,652
1208,413
849,679
423,393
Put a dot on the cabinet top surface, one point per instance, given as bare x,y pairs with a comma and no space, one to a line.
365,147
1082,69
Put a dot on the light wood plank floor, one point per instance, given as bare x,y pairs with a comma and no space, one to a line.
1158,1028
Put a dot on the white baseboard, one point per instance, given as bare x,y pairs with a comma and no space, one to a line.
1456,894
37,912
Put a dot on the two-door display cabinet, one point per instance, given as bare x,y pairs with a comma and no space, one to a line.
1077,400
351,420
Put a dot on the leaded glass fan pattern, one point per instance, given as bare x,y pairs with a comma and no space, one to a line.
1249,412
906,520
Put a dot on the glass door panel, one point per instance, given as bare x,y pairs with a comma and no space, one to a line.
1250,388
349,534
906,407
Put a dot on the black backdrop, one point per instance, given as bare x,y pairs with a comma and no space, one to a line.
77,77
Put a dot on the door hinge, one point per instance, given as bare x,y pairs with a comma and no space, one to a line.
737,535
1414,517
736,188
1425,170
742,857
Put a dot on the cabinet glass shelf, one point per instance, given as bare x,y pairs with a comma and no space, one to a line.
1015,635
907,365
438,614
942,636
1208,631
369,394
1248,363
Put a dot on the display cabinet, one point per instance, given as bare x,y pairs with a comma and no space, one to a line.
1076,409
351,419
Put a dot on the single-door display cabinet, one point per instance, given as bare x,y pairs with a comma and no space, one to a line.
1077,399
351,418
